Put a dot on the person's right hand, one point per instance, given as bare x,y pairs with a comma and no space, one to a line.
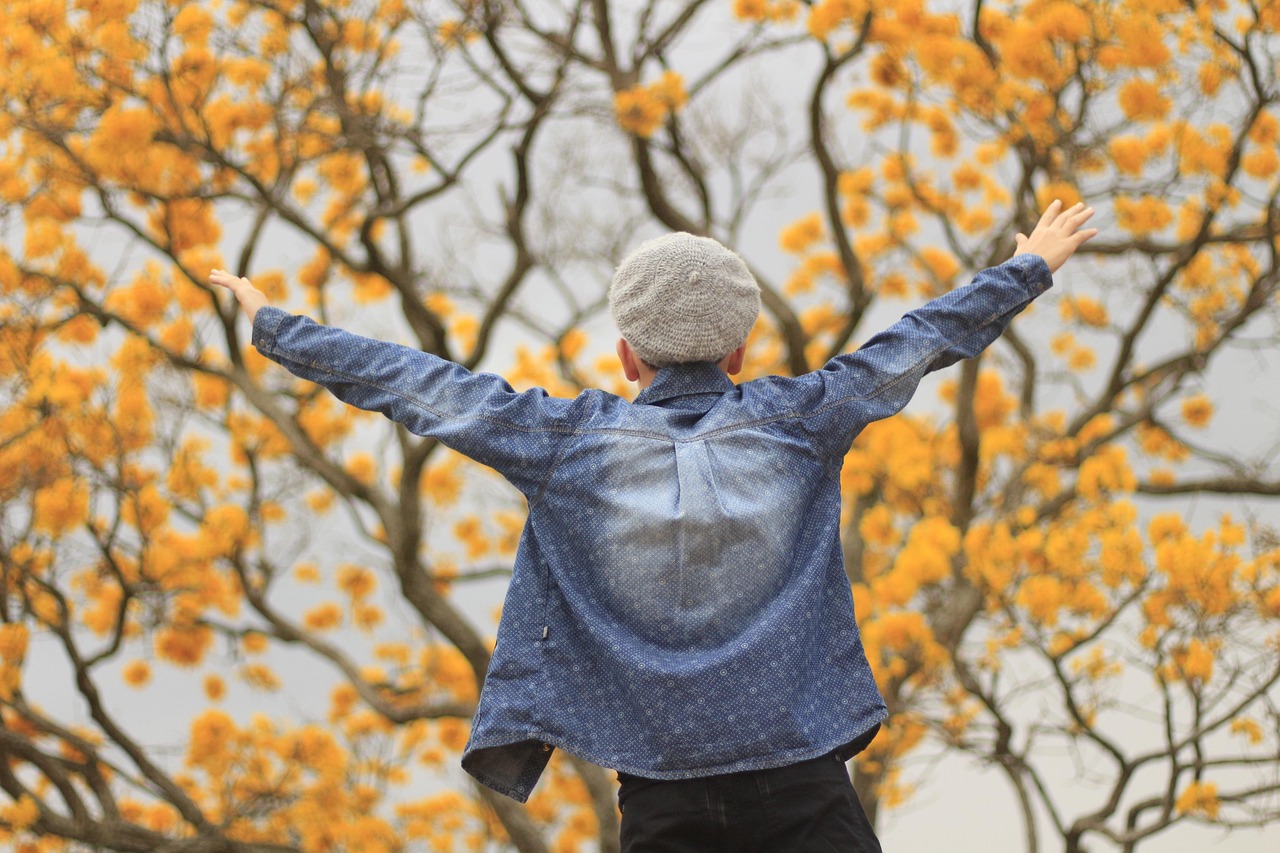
251,299
1057,235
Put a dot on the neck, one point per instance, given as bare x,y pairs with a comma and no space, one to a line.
642,374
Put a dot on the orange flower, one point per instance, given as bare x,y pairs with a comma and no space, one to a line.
1199,798
1197,410
801,234
324,617
1129,153
669,90
261,676
1143,215
356,581
639,112
442,483
137,673
61,506
214,687
306,573
1142,101
13,642
183,645
456,33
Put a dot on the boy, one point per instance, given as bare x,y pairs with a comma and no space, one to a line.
679,609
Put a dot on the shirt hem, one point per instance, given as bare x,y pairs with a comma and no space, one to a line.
768,762
521,793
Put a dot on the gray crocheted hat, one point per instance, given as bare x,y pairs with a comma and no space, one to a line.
682,298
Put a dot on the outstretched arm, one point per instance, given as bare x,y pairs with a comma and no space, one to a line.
878,380
478,414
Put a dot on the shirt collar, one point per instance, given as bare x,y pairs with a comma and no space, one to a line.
680,380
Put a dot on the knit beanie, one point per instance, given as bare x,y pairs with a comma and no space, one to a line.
682,298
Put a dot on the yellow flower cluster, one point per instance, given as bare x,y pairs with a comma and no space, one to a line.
1192,662
183,645
1197,410
827,16
766,10
1083,309
924,560
801,234
1199,798
136,673
1142,216
456,33
641,110
805,277
20,814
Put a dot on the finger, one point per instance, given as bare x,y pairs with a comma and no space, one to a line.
1019,238
1079,218
1063,219
1050,213
1079,238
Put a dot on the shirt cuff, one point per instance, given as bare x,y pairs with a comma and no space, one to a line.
265,324
1033,271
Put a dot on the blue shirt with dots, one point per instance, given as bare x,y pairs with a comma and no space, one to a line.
679,605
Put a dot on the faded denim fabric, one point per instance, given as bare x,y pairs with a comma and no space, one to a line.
679,606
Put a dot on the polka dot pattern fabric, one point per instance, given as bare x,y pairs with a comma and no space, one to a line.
679,605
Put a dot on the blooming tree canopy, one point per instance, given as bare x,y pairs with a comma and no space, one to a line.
1062,550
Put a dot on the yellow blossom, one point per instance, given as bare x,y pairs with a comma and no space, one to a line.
356,581
1142,100
801,234
669,90
254,642
1247,727
323,617
61,506
136,673
261,676
13,642
183,645
1129,153
1143,215
362,467
21,814
306,573
1199,798
1197,410
639,112
214,687
456,33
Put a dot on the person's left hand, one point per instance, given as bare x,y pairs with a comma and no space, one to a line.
1057,235
250,298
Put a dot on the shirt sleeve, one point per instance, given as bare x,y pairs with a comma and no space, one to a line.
477,414
879,379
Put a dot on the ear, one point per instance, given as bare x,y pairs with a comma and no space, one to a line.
630,366
732,363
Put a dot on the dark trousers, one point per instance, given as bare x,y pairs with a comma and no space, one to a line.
809,807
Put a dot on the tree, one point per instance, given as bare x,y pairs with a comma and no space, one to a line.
463,177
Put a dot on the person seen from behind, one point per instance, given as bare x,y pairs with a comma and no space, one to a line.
679,609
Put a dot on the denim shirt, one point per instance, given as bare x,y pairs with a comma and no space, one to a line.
679,605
